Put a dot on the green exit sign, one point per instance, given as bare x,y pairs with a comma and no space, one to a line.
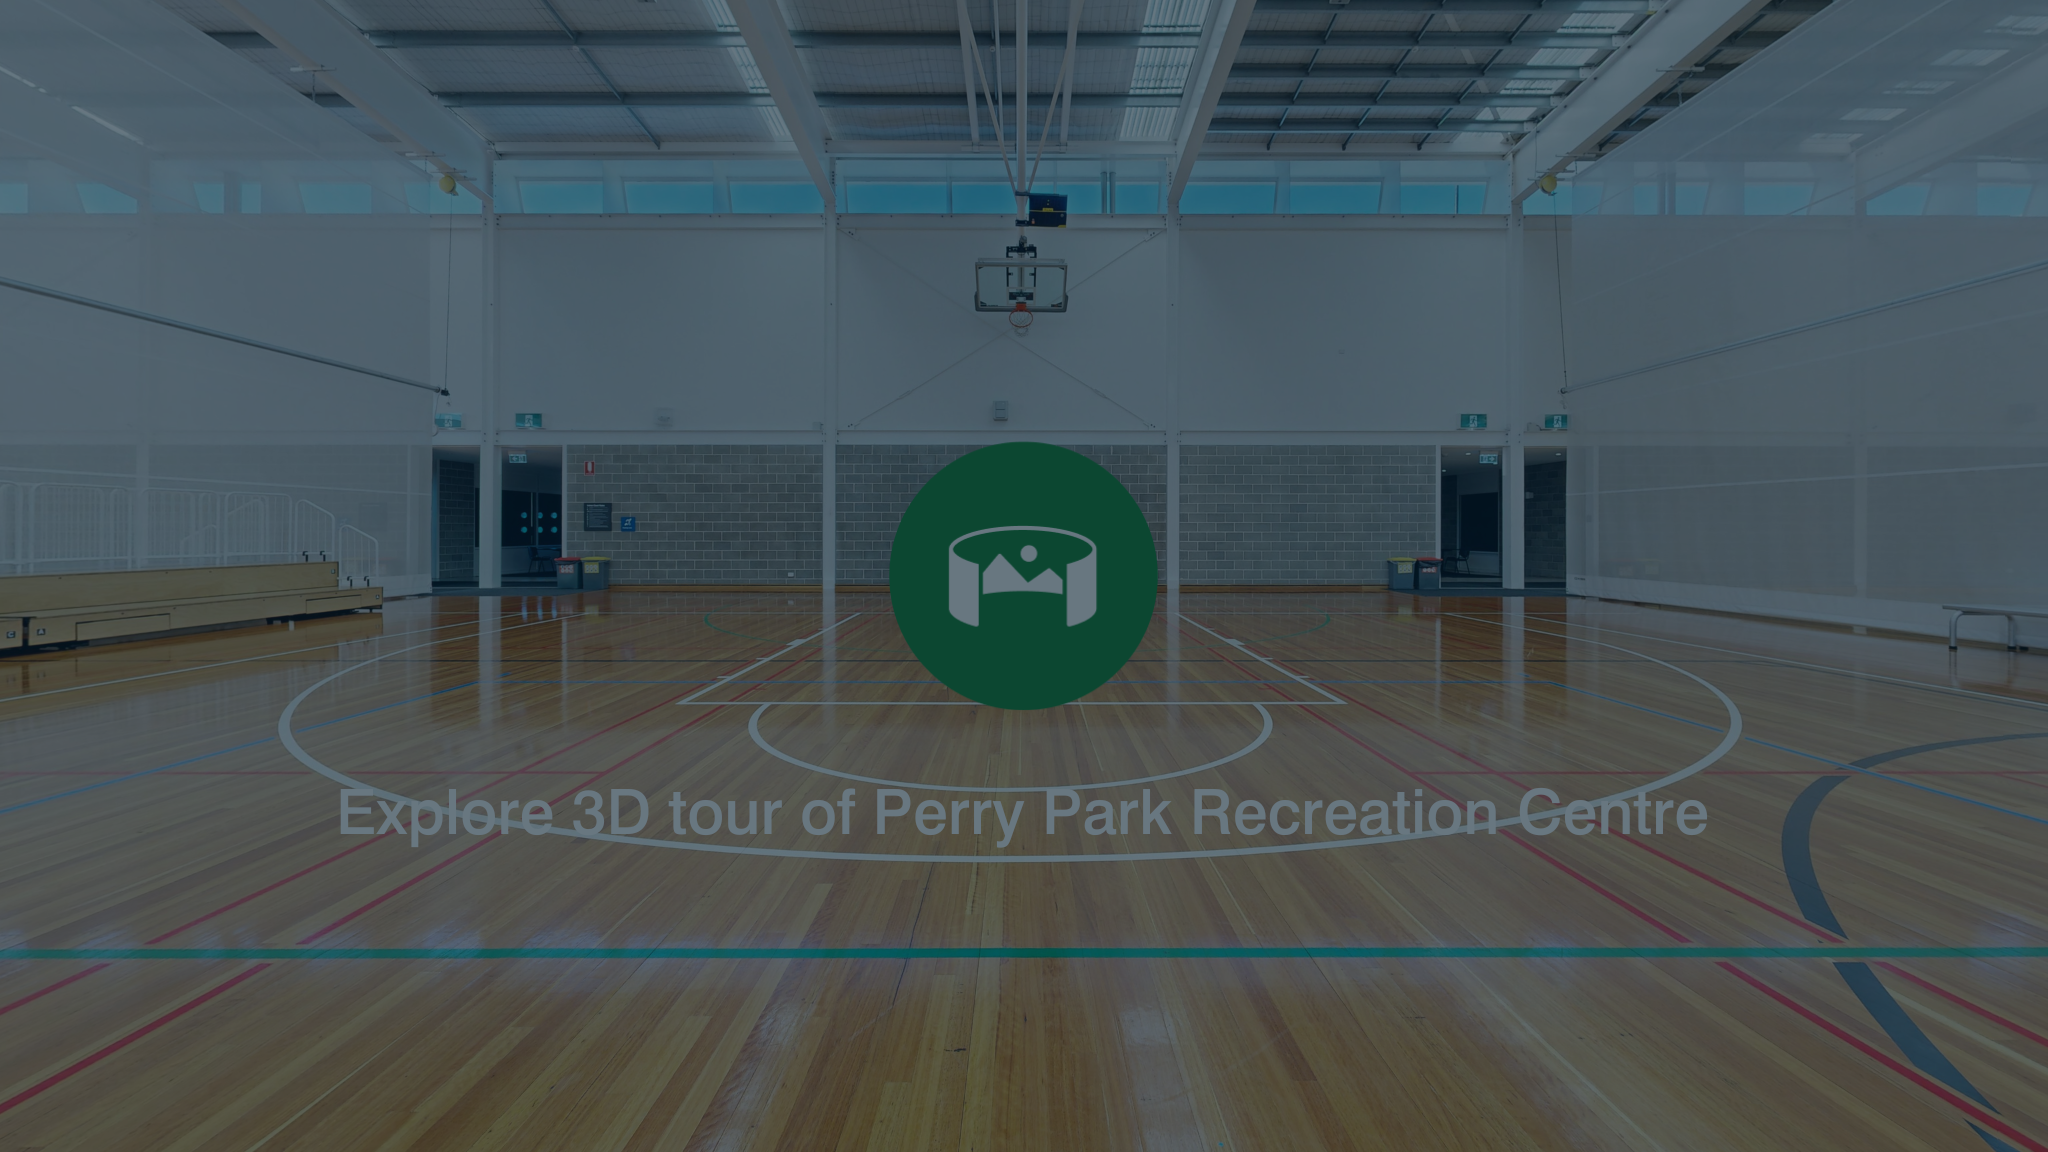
1556,422
526,420
1471,420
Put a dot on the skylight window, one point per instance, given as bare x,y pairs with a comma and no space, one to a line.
1968,57
1918,87
1597,21
2020,26
1561,57
1873,113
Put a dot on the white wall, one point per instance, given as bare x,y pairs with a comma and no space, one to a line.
1224,327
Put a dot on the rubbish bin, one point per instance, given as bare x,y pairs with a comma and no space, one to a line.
1400,573
1429,573
597,573
568,571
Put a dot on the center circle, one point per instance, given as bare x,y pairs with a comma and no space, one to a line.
1023,575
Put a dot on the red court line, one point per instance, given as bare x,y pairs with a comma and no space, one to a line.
47,989
1968,1106
1916,1077
485,839
296,875
267,888
1768,907
480,842
1945,994
59,1077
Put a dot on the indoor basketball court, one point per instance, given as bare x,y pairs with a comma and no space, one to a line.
1224,574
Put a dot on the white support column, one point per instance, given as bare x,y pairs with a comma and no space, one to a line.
1173,435
490,457
828,453
1513,477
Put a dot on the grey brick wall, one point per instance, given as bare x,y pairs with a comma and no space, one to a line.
707,513
877,481
1303,514
1543,522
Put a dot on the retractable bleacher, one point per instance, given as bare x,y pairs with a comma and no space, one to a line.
83,607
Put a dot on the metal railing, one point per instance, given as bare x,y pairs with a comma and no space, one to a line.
52,527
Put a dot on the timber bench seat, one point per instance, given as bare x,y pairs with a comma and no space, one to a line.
78,607
2012,620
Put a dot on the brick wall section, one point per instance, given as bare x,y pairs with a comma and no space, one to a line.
707,513
877,481
1303,514
1543,522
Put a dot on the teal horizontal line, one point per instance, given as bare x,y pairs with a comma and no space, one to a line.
1687,952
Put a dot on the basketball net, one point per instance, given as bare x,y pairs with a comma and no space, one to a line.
1020,316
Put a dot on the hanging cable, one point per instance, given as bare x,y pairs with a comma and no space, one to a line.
116,309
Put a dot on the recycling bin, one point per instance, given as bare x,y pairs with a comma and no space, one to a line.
1400,573
597,573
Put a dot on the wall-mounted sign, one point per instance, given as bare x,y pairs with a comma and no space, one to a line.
1489,457
515,457
1470,420
526,419
629,524
447,419
1557,422
597,517
590,467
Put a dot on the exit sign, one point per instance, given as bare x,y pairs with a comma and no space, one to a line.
447,419
1471,420
1557,422
526,420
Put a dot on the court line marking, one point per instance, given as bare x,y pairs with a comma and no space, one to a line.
754,730
728,678
1239,645
1728,740
1900,680
1297,952
247,659
219,752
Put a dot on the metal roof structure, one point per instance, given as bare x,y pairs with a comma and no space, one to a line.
1166,77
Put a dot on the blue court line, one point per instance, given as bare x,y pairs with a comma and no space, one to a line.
220,752
1796,846
1812,756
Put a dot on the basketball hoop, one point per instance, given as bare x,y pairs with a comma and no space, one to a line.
1020,316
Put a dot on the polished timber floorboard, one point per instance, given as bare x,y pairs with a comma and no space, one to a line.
1849,954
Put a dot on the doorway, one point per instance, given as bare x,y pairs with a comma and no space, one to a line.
530,515
1469,533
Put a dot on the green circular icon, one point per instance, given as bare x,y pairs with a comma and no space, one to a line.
1023,575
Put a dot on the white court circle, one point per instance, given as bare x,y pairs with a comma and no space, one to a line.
1729,737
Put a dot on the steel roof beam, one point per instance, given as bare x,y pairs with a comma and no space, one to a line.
1656,59
1432,72
944,100
767,38
951,40
1295,126
319,41
1207,77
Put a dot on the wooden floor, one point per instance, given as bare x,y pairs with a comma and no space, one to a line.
194,957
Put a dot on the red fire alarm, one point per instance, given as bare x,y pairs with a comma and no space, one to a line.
590,467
